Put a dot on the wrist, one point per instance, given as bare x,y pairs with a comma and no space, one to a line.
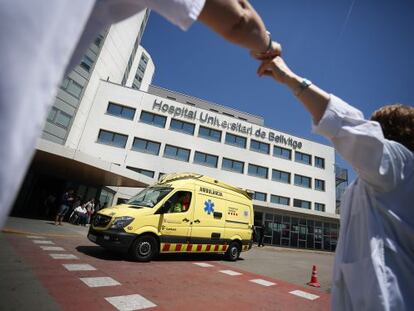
293,82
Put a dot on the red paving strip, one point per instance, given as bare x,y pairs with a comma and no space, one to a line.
171,285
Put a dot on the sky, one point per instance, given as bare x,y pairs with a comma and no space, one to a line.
359,50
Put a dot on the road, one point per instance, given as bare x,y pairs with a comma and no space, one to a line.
61,270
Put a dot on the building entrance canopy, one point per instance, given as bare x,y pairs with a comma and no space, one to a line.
71,164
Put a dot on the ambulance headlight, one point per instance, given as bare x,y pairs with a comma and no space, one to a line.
122,222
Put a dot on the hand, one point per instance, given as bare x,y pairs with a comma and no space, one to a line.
277,69
275,50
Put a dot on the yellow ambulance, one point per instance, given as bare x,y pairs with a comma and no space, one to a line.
184,212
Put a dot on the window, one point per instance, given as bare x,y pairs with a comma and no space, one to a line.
319,207
71,87
281,176
120,111
176,153
146,146
258,171
259,196
181,126
277,199
259,146
111,138
301,203
160,174
144,58
86,63
142,171
153,119
303,158
52,114
98,40
232,165
179,202
302,181
59,118
205,159
319,185
141,67
209,133
149,197
282,152
236,140
319,162
63,119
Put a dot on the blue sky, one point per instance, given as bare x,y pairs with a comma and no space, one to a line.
360,50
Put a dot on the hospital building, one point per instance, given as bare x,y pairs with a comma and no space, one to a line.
111,132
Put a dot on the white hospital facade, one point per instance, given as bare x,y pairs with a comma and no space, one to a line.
111,132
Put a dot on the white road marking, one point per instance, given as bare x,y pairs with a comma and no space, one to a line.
203,264
63,256
52,248
79,267
43,242
304,294
262,282
100,281
230,272
130,302
35,237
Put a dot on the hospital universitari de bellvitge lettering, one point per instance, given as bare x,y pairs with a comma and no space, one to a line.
204,118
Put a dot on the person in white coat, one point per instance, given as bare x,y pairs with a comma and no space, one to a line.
374,260
40,40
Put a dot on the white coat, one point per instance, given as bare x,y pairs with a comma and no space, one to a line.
37,41
374,261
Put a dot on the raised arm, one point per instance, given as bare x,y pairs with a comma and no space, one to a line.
314,99
378,161
239,23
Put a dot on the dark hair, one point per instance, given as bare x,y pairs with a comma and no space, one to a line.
397,123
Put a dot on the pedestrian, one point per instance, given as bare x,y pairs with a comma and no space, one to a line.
66,203
261,235
90,209
374,260
40,68
82,215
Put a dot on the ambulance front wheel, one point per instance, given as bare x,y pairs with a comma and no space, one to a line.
144,248
233,252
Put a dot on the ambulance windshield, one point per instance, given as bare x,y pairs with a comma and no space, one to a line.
149,197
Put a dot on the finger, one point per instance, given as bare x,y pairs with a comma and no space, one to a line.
263,56
267,73
263,66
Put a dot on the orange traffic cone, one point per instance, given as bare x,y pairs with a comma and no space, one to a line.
314,279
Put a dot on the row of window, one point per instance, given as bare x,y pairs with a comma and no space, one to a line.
212,134
259,196
277,199
183,154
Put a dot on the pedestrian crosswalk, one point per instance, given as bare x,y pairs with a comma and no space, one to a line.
136,301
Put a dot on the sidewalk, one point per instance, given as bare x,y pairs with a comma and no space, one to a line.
42,227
